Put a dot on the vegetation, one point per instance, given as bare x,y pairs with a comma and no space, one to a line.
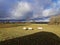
55,20
40,38
16,30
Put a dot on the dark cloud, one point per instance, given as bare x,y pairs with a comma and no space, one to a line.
5,5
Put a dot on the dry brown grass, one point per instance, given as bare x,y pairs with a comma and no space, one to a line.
15,30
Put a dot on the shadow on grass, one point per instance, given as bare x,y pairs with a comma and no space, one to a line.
40,38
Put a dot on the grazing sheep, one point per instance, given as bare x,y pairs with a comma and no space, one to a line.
30,28
24,28
40,28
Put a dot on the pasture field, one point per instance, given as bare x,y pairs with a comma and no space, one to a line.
9,31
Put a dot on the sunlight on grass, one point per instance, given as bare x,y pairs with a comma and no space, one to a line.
13,32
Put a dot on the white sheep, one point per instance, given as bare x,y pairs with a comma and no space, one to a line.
30,28
40,28
24,28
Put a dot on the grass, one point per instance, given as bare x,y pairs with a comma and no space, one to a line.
40,38
9,31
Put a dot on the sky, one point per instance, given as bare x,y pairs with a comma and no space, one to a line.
39,10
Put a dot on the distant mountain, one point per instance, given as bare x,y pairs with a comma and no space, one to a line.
25,20
41,19
13,20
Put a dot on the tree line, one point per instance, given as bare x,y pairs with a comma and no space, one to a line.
55,20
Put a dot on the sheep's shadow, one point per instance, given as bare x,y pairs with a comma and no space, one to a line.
40,38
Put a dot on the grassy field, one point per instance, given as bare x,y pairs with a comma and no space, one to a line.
9,31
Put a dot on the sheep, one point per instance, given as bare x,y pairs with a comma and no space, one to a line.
40,28
30,28
24,28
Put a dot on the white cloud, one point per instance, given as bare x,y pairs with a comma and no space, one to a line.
41,11
48,12
39,7
53,10
20,10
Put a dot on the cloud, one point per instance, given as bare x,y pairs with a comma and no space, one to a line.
53,10
5,6
49,12
44,8
39,7
20,10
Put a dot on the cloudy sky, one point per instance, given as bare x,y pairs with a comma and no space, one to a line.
40,10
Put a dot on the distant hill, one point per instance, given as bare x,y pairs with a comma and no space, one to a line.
25,20
41,19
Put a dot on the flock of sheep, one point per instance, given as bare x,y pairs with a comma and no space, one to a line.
30,28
